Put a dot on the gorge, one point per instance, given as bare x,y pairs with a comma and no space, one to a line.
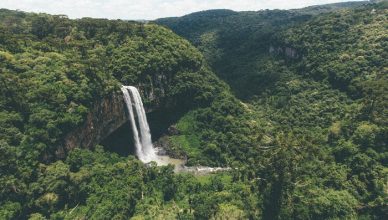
141,132
292,103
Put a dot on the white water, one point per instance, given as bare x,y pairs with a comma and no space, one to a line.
142,136
141,131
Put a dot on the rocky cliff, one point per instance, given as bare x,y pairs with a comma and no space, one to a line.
106,115
285,51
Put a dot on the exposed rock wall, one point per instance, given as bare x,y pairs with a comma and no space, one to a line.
109,114
286,51
154,92
105,116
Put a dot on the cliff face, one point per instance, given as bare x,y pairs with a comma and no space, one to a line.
106,116
154,92
285,51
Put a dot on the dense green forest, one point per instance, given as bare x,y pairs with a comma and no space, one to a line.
315,91
296,106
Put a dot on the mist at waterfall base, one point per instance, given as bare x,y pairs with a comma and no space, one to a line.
141,131
142,136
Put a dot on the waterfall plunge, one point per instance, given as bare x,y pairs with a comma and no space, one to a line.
142,136
141,131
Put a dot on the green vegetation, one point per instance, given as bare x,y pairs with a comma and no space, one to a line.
303,125
52,70
312,132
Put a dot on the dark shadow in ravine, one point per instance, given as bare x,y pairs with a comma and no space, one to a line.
120,141
159,122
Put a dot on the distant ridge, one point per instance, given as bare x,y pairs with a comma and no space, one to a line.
314,9
317,9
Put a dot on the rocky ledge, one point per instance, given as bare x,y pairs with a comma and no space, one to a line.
105,116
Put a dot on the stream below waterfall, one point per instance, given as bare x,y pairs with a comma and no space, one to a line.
145,150
180,167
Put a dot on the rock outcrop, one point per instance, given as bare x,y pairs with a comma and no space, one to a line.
285,51
105,116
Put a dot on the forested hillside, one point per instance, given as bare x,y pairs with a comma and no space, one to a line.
52,70
236,44
301,120
315,88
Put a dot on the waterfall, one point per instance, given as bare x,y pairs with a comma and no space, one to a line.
138,119
142,137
